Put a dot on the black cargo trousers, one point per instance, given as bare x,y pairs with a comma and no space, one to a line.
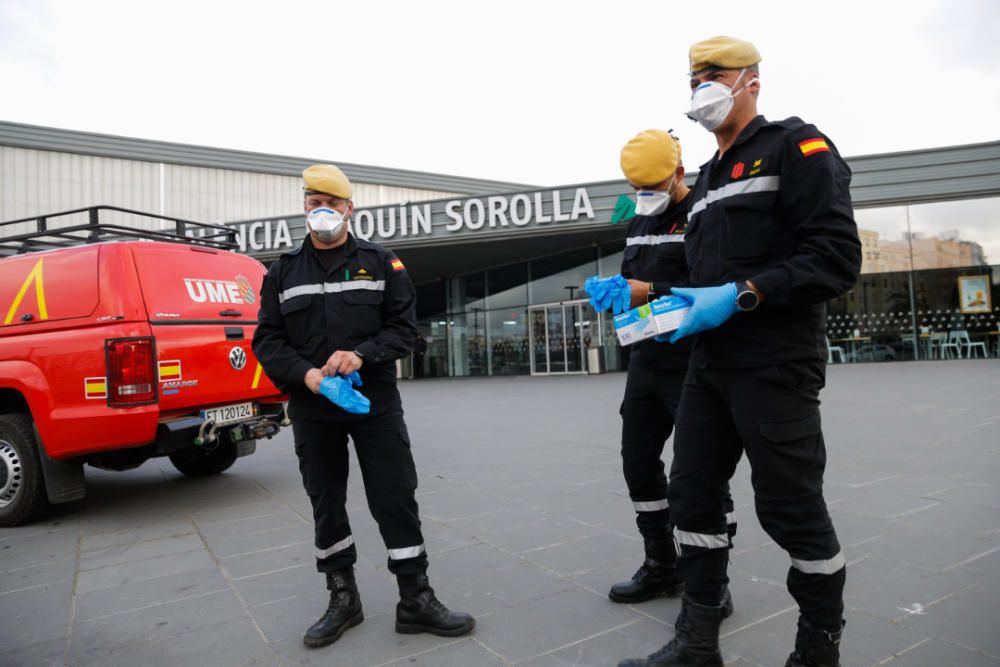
772,414
648,411
382,445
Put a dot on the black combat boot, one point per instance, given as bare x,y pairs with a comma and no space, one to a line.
344,611
695,642
727,603
655,578
419,610
815,647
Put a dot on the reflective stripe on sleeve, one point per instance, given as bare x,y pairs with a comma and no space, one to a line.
331,288
730,518
828,566
651,505
654,239
406,552
702,540
339,546
758,184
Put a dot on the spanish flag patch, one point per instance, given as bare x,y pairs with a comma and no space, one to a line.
170,370
810,146
95,387
397,265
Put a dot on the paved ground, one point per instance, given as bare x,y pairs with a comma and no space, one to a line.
528,524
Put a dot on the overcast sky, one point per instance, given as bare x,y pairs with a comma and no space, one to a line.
541,93
533,92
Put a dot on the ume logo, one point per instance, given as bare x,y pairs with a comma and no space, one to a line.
213,291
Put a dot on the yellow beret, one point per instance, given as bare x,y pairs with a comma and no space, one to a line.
723,52
327,179
650,157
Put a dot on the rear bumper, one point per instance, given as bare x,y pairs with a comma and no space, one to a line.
184,431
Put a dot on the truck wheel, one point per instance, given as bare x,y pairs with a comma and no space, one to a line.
22,489
202,462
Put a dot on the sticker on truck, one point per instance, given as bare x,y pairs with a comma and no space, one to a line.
170,370
95,387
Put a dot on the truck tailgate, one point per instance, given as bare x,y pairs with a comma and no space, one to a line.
202,306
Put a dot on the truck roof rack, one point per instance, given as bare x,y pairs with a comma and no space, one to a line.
92,227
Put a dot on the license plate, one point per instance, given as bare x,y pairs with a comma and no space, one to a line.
228,414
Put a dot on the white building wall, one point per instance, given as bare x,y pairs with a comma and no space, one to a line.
34,182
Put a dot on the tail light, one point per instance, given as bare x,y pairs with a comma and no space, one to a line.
131,364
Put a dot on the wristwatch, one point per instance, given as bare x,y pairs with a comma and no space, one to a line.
358,352
651,294
746,298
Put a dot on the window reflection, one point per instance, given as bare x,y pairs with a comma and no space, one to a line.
934,236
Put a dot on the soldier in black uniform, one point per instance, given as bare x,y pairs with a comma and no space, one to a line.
653,262
330,307
771,237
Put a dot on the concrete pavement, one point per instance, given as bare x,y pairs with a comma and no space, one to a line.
527,523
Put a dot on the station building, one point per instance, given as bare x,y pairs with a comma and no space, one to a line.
499,266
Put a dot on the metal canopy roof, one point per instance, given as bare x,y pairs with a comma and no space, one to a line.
108,145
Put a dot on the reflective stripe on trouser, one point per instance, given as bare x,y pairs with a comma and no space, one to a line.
771,414
821,566
383,449
322,553
650,505
406,552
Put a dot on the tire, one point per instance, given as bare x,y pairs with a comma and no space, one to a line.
201,462
22,487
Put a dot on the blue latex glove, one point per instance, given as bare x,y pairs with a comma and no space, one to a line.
340,392
355,378
605,293
710,307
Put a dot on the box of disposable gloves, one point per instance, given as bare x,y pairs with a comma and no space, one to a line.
669,312
651,319
635,325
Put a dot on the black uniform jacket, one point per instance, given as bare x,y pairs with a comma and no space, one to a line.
775,210
366,303
654,252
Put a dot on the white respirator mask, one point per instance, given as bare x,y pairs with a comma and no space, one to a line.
712,101
652,202
326,223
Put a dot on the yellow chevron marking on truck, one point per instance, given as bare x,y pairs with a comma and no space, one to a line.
256,376
34,277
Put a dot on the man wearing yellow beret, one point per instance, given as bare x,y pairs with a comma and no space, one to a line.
771,237
653,262
337,312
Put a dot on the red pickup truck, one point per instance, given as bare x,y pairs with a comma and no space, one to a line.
119,344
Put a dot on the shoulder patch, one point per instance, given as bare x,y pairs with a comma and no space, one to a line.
397,265
814,145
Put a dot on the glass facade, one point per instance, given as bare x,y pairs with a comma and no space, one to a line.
532,317
949,313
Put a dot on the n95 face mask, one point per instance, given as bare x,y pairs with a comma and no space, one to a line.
651,202
326,223
712,101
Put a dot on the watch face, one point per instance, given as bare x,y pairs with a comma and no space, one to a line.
746,300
